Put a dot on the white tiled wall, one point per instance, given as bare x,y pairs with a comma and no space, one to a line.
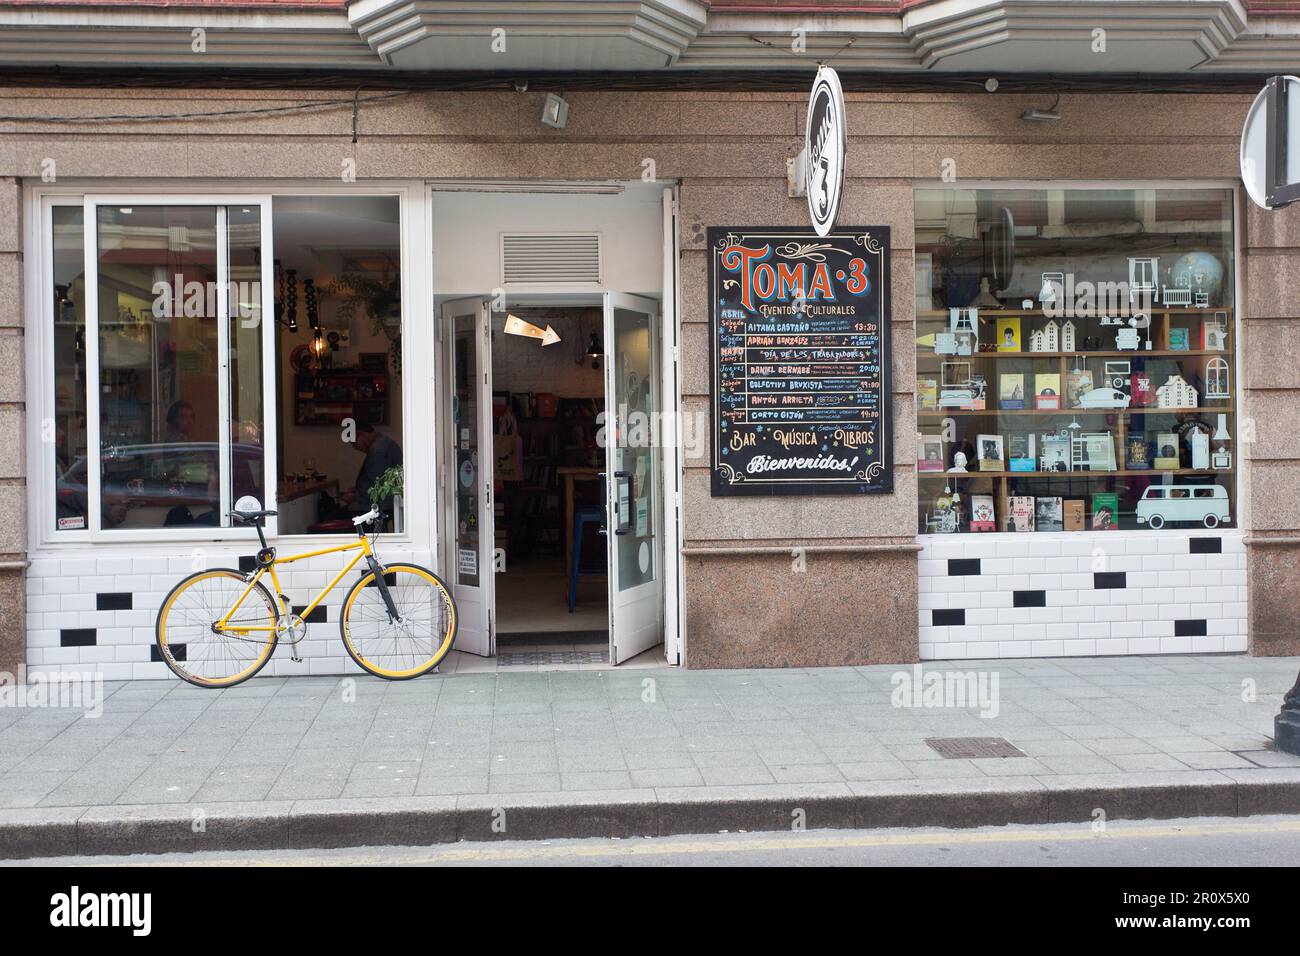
1165,583
61,594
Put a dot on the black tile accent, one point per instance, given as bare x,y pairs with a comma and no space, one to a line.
155,655
317,616
1206,545
77,637
1107,580
113,601
248,562
1189,628
389,579
963,567
954,617
1029,599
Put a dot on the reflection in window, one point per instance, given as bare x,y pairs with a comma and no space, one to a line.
69,315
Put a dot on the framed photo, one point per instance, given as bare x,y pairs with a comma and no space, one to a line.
992,456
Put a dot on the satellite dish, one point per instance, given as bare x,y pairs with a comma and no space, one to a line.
1261,127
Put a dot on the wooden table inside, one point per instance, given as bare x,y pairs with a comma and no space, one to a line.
571,474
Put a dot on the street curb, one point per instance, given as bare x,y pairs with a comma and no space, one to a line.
425,821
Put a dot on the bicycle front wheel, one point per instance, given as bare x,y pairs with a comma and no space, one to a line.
192,644
413,644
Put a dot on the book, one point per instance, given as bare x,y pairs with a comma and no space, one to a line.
1022,512
1075,517
1166,457
1009,335
1105,511
929,453
1011,390
927,392
1056,453
1137,454
1047,390
990,452
1022,452
982,515
1049,514
1078,383
1099,451
1142,391
1178,340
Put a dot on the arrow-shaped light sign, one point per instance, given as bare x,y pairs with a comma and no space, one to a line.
517,326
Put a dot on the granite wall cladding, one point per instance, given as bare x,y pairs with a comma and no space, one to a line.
727,149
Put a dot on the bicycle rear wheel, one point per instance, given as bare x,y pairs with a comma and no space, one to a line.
195,650
410,646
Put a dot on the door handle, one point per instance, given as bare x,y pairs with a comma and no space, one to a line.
622,522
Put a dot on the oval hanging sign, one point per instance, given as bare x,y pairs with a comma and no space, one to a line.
825,146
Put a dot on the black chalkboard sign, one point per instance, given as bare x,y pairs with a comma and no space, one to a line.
800,330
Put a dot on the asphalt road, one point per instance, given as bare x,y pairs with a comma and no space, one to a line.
1216,842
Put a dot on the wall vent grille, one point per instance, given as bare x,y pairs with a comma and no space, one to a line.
550,258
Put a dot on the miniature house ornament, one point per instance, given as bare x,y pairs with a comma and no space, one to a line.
1068,331
1052,336
1177,392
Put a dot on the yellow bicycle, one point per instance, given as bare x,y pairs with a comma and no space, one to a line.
219,627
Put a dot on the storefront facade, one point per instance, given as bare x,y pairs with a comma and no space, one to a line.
762,581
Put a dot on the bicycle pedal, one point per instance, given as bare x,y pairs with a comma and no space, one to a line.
295,658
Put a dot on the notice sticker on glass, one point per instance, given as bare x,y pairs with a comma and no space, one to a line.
642,517
466,561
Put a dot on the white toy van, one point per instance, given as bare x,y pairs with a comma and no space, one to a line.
1204,504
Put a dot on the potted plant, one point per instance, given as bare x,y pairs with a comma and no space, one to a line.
390,485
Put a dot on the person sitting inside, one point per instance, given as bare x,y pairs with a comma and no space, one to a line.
381,454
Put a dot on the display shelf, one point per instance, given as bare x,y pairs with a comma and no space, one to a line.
939,414
1119,473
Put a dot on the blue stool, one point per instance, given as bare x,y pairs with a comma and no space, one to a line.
581,518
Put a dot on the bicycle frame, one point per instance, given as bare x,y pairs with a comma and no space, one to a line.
364,551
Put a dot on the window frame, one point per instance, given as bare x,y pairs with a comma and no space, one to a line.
414,216
1241,500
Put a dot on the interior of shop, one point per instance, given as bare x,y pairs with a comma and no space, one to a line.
548,508
338,340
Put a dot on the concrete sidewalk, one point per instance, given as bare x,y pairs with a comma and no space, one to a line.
322,762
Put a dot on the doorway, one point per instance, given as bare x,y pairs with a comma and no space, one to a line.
552,478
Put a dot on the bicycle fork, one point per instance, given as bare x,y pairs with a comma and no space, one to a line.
389,605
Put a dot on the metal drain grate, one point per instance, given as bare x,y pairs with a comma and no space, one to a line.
533,658
954,748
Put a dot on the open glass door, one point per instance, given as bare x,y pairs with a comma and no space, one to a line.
632,476
470,564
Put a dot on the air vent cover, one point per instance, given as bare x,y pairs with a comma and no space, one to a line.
550,258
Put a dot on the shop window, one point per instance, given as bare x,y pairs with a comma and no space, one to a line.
338,305
1074,360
